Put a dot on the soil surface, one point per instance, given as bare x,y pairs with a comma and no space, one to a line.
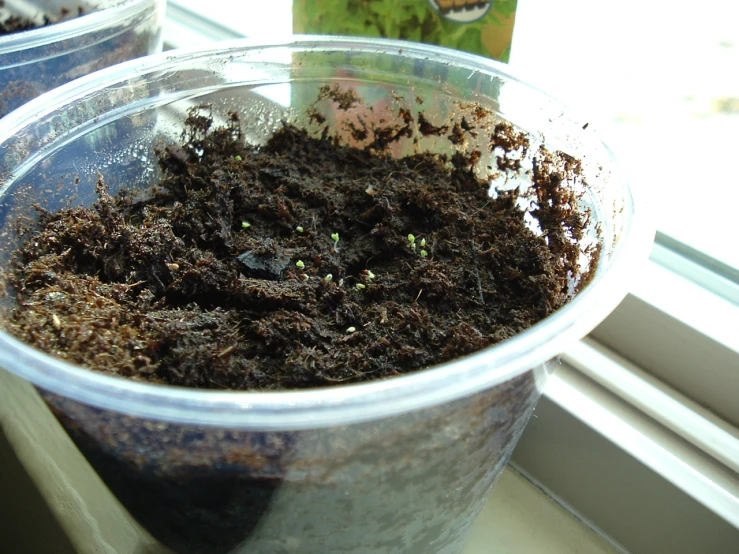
300,263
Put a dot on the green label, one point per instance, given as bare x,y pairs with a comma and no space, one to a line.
471,25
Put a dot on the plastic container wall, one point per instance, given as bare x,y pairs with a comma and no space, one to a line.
401,465
411,483
108,32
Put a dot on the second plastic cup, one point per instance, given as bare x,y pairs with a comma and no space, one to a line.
109,32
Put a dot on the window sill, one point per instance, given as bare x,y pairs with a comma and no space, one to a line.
676,326
628,474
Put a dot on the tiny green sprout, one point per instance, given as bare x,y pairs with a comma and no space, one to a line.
360,286
335,238
245,224
370,275
299,264
299,229
423,253
328,278
238,158
351,330
411,239
423,243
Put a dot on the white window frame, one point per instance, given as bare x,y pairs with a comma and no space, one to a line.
680,324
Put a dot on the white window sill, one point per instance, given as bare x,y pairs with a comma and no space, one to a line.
520,517
630,475
681,330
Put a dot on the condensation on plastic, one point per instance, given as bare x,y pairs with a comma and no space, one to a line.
109,32
401,465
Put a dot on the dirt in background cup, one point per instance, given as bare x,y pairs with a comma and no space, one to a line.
109,32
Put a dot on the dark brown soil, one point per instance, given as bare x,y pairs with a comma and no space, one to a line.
15,24
301,263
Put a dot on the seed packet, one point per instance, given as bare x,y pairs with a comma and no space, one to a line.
476,26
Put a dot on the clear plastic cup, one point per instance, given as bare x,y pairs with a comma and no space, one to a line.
108,32
401,465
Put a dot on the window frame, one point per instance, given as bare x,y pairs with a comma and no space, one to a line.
689,344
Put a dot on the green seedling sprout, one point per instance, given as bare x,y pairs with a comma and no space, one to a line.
423,243
299,264
299,229
423,253
335,238
328,278
238,158
360,286
351,330
370,275
245,224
